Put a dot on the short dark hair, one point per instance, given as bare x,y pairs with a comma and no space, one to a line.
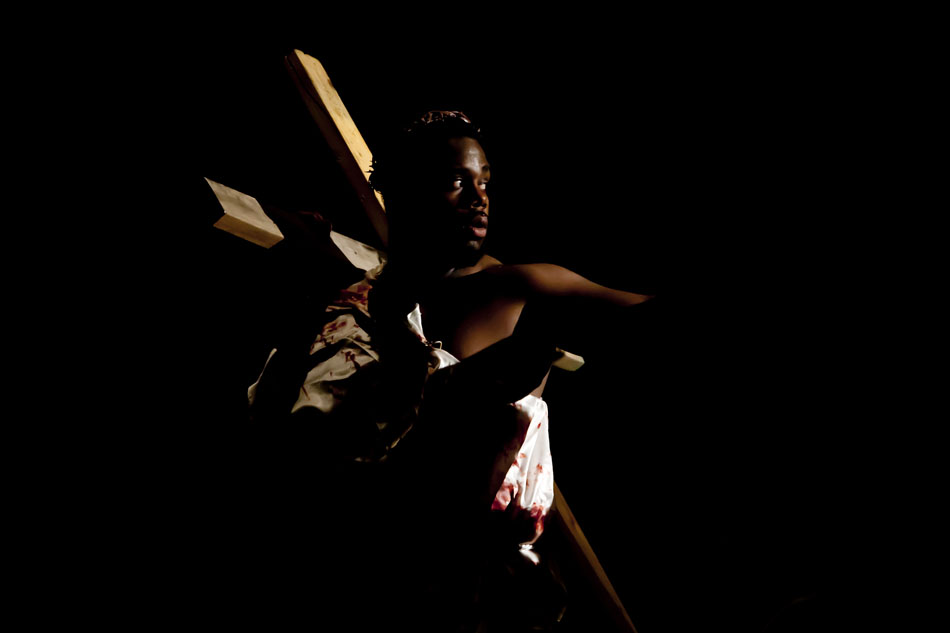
397,160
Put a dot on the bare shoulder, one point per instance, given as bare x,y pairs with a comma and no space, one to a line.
487,261
515,279
537,277
554,280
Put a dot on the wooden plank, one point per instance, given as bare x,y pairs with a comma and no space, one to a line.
590,566
363,256
244,217
338,129
341,134
567,361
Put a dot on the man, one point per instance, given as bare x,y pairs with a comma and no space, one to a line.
436,188
434,367
435,181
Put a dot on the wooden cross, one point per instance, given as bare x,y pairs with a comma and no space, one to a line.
245,217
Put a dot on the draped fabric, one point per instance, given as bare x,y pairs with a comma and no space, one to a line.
346,385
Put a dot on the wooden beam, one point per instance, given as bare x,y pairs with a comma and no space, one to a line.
244,217
567,361
338,129
352,153
590,566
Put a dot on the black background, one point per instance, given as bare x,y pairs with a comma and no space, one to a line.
713,451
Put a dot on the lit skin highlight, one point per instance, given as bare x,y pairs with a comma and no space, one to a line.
473,306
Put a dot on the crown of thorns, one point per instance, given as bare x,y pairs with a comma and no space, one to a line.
393,152
440,116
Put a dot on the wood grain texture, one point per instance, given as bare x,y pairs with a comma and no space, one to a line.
341,134
244,217
589,564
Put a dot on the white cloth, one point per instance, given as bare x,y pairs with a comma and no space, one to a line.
527,491
529,482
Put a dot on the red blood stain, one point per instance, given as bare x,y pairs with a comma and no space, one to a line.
358,295
350,357
349,296
540,468
327,330
504,496
537,513
320,341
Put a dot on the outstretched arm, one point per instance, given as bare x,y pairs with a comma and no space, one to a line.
553,281
560,304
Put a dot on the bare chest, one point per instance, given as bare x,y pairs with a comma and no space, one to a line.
467,318
470,313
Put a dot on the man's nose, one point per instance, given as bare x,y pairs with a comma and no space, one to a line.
479,198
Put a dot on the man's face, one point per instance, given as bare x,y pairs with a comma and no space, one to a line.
456,200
